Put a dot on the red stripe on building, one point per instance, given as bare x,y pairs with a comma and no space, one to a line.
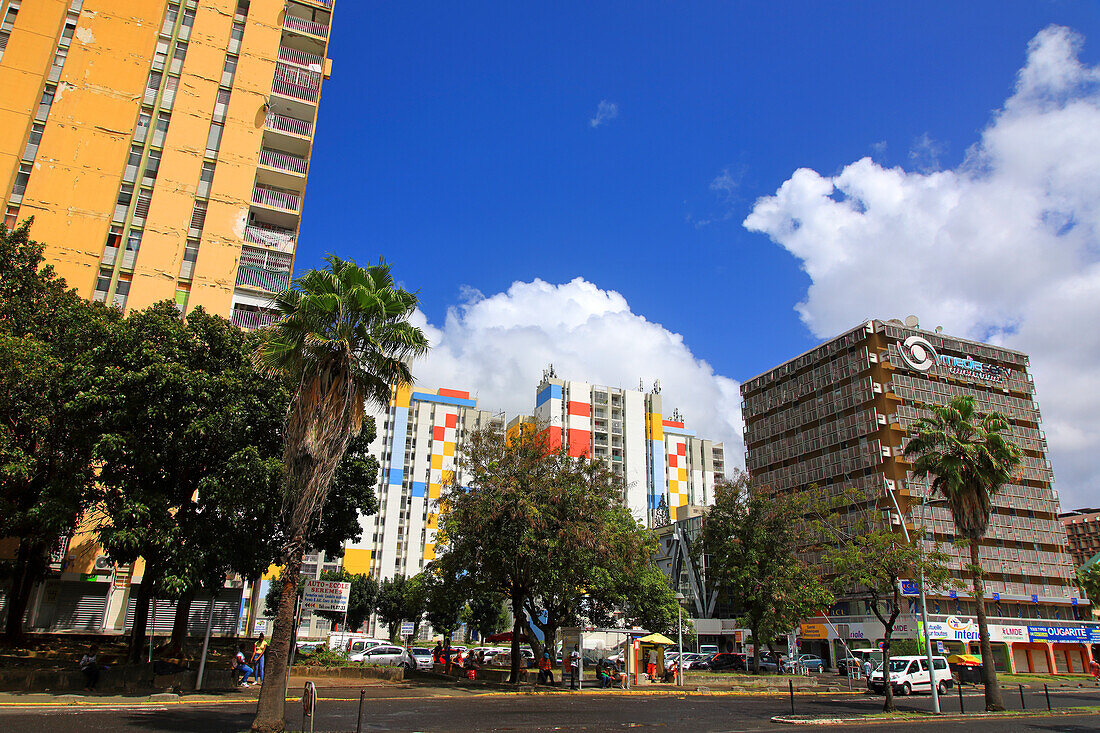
440,433
580,441
672,424
672,461
552,436
452,420
682,448
454,393
580,409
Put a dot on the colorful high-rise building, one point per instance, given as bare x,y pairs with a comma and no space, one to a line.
666,468
419,450
162,147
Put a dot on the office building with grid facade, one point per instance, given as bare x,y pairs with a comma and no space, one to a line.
838,416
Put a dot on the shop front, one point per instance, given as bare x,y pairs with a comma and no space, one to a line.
1070,647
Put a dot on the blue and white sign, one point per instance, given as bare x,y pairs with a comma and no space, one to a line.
1064,634
910,588
920,355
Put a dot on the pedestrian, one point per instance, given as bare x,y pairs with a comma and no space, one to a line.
258,658
575,667
241,671
89,667
651,667
867,668
546,674
1094,667
447,655
437,653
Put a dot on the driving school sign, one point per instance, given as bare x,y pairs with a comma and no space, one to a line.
326,595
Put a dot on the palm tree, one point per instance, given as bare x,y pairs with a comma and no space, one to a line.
970,459
343,340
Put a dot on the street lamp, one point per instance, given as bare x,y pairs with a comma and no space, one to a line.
680,638
923,602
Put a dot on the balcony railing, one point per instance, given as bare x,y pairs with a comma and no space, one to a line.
266,259
110,254
256,277
278,199
290,89
274,237
302,58
253,319
283,123
283,161
294,23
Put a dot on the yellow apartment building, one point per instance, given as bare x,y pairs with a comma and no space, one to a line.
162,147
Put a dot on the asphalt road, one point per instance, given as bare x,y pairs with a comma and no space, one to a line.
696,713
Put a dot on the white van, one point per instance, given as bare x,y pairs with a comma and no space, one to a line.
910,674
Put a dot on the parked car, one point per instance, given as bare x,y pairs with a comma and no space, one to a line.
708,650
305,648
910,674
423,657
386,654
723,662
687,658
359,644
773,663
811,662
860,656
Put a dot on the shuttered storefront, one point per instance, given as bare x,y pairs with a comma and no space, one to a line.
79,606
227,606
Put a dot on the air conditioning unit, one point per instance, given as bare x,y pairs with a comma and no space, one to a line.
103,564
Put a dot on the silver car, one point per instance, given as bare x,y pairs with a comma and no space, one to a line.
423,657
388,655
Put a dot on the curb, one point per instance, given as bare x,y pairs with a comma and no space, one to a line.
932,717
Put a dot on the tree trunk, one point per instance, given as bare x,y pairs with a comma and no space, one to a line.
271,707
755,650
993,699
175,646
22,583
517,629
136,654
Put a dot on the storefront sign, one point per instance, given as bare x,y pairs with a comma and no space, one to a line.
954,629
855,631
813,630
1064,634
1008,633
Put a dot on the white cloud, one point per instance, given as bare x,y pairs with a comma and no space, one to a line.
605,111
497,347
1005,247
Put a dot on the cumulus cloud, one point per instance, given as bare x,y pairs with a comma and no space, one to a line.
1004,247
497,347
605,112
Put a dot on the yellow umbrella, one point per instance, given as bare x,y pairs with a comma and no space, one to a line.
656,639
965,659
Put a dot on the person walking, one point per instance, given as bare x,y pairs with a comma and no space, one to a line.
89,667
447,655
867,668
258,658
546,674
575,667
651,666
1094,667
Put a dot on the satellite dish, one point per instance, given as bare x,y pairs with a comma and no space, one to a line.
912,321
939,329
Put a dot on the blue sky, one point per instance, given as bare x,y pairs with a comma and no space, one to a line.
456,140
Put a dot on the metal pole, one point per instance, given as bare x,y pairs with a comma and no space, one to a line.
1023,705
790,684
680,643
961,708
153,628
205,645
1046,692
359,718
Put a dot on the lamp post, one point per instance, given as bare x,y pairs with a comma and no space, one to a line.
680,638
923,603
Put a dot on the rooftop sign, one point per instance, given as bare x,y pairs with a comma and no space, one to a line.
920,355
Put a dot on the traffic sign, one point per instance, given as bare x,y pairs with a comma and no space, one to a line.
406,628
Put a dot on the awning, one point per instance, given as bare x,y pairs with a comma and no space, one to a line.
656,639
966,660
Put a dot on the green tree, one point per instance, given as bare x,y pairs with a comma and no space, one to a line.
969,457
49,376
445,598
485,613
754,540
189,459
868,557
1088,580
416,601
343,340
392,604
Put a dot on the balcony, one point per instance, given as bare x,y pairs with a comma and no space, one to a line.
301,25
285,200
289,125
277,238
283,161
301,58
264,269
296,83
250,320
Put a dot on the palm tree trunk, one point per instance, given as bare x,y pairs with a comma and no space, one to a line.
272,704
993,699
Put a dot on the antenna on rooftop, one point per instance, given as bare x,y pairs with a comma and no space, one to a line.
656,386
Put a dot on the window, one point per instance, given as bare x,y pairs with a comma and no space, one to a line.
235,37
67,33
58,62
141,208
213,141
103,283
130,173
152,163
170,19
188,21
220,105
177,58
242,10
161,129
160,54
169,96
205,179
45,102
32,142
198,218
21,179
122,204
11,217
123,287
228,71
142,127
152,86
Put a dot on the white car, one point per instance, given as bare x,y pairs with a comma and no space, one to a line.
423,657
361,644
386,654
910,674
